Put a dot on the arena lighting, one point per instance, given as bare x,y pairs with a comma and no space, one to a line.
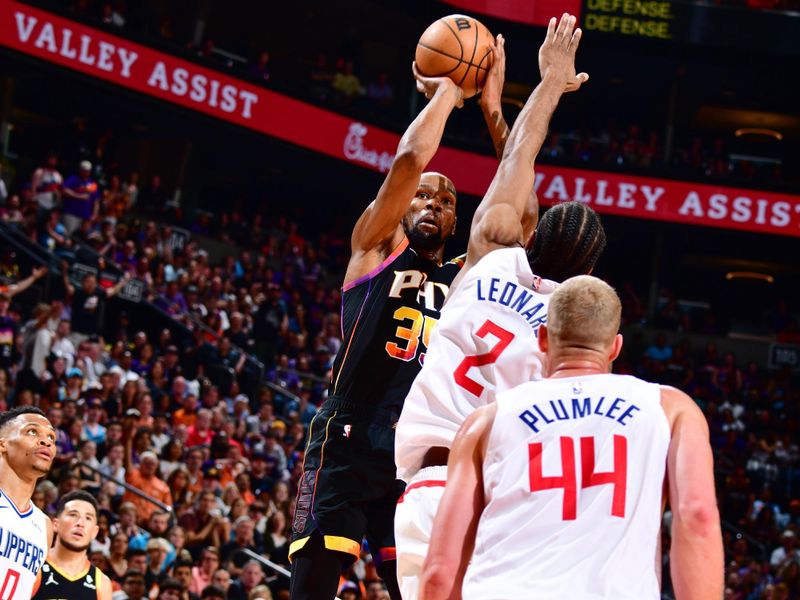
776,135
731,275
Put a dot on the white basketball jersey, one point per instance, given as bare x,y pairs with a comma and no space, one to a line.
573,481
23,548
485,342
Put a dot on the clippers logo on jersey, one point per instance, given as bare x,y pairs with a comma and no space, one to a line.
26,554
514,296
415,327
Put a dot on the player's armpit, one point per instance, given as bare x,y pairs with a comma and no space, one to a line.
499,227
456,523
696,554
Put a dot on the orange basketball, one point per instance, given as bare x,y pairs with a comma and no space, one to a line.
458,47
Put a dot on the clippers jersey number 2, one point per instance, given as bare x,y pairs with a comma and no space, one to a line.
461,374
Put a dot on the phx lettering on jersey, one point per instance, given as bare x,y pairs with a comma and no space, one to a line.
515,297
21,551
541,413
430,294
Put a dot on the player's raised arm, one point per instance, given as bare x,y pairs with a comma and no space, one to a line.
453,536
513,183
491,101
378,230
696,555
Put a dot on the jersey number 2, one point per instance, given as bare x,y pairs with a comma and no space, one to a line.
504,338
568,481
9,585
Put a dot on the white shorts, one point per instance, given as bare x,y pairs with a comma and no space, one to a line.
413,524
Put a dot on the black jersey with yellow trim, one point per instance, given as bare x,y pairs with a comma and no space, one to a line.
387,319
55,584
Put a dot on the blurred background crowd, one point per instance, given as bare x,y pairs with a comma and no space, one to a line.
178,324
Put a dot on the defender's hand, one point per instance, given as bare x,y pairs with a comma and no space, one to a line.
557,54
431,85
492,95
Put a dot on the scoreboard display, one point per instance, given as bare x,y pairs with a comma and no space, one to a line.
643,18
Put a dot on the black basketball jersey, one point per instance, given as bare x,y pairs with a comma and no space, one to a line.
55,585
387,319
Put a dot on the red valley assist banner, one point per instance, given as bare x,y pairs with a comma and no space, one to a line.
530,12
115,60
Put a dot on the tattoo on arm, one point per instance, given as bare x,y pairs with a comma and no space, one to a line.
501,133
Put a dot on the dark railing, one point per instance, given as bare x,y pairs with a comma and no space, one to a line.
265,561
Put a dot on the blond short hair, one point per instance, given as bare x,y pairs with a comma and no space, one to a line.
584,311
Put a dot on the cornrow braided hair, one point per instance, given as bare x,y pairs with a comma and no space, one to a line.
569,240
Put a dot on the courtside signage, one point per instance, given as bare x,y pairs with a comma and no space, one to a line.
115,60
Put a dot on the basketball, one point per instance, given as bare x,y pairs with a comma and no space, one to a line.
458,47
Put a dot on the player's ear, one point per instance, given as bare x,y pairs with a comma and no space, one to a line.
616,348
543,341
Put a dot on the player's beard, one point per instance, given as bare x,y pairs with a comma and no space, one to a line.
421,240
74,547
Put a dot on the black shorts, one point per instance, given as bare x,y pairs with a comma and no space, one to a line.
349,488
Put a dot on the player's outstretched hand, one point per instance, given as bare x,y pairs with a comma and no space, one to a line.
492,94
558,52
430,85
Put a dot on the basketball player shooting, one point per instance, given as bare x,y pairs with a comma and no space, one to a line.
27,449
394,287
488,326
67,572
556,489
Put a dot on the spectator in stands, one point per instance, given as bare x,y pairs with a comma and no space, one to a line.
12,289
87,303
660,351
232,553
46,184
153,198
144,477
11,212
380,92
133,586
203,574
112,15
204,524
222,580
36,348
53,235
321,77
346,84
3,187
81,198
252,575
261,69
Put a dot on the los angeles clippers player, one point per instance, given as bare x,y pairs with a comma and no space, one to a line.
67,572
556,489
395,285
27,449
487,331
